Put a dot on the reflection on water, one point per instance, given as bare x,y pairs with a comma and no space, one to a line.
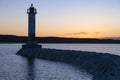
14,67
30,65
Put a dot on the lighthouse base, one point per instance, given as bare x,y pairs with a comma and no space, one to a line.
31,44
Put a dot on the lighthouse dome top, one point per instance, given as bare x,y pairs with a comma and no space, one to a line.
32,9
31,5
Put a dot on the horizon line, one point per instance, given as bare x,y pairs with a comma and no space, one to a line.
113,38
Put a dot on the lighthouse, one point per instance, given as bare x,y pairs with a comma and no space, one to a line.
32,11
31,23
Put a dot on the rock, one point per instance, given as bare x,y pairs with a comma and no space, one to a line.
101,66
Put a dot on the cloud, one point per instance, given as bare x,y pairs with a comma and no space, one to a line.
82,33
79,33
96,32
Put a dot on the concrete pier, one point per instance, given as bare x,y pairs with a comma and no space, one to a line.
101,66
31,45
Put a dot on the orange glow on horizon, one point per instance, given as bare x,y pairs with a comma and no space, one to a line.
60,18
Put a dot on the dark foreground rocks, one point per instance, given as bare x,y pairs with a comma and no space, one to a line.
102,66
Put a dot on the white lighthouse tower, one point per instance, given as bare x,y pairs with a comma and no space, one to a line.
31,23
31,27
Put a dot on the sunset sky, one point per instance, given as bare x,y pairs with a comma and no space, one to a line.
62,18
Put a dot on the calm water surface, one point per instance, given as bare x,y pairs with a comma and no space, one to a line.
14,67
103,48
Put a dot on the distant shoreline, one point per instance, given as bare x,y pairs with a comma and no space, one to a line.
56,43
24,39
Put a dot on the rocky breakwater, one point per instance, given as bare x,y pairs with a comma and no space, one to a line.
102,66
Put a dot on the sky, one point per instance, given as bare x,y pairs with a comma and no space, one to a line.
62,18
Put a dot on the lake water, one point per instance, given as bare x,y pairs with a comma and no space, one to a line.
102,48
14,67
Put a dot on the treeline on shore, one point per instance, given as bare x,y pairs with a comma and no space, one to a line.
24,39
